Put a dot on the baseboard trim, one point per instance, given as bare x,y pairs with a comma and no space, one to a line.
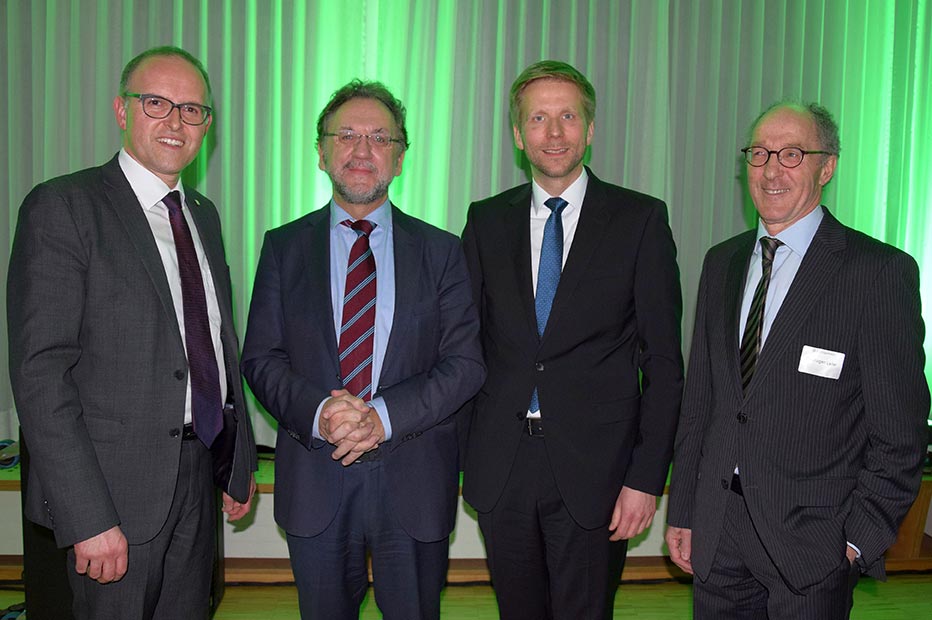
472,570
461,571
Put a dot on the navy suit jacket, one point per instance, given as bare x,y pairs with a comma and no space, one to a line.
823,461
608,368
433,364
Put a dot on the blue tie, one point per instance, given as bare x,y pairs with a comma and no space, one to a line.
548,274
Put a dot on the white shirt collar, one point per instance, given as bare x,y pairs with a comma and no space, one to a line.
149,189
574,195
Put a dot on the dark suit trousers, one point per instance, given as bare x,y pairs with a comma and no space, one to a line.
169,576
544,566
744,584
330,568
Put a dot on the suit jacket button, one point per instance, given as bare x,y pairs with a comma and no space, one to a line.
179,374
174,432
725,484
521,415
539,366
742,418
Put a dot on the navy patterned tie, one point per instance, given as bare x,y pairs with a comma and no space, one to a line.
206,404
357,327
753,329
548,273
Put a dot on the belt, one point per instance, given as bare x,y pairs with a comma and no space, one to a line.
736,485
535,427
187,434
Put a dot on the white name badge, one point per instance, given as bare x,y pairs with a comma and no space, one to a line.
821,362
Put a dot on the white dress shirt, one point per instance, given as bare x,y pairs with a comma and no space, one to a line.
573,195
150,190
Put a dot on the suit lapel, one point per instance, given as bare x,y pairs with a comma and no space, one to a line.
407,249
124,203
211,242
314,241
594,216
517,226
822,260
734,294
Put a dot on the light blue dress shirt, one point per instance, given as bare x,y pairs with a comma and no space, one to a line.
796,240
380,242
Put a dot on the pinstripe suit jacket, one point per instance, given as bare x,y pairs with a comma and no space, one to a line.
822,461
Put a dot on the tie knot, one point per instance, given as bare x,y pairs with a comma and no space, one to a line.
768,246
556,204
172,200
362,227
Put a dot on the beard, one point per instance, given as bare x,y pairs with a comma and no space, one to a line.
359,195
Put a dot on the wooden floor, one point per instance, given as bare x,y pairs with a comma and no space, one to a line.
903,597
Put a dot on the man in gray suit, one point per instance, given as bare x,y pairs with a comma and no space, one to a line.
803,426
123,358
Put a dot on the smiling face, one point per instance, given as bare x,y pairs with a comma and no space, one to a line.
783,196
553,132
164,146
360,173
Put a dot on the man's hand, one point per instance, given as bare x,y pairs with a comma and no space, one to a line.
368,436
103,557
235,509
680,542
851,554
634,511
341,415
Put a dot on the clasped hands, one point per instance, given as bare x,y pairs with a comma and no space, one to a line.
351,425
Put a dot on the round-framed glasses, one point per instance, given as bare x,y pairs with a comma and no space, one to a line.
349,139
789,156
158,107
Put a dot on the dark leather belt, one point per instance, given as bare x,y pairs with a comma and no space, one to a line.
534,427
188,433
371,455
736,485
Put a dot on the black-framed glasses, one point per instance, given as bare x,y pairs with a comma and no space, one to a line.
789,156
158,107
350,139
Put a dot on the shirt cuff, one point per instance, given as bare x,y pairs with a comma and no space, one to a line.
315,429
381,409
856,550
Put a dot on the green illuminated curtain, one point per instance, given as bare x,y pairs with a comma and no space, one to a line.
678,82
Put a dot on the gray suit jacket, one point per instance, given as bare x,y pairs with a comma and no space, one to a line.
823,461
97,362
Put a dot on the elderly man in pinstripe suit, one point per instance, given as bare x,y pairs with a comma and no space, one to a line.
803,425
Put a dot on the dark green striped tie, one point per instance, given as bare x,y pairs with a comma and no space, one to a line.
750,342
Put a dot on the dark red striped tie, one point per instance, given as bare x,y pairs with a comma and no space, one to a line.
206,405
357,328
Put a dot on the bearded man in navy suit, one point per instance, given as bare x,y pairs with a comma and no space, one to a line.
366,456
